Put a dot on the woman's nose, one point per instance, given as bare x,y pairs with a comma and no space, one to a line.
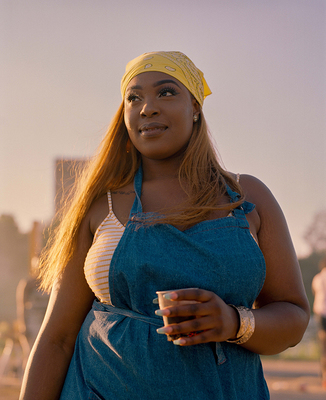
149,108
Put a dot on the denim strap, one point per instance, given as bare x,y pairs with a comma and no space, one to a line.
127,313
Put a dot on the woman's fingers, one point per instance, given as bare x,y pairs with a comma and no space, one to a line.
201,330
201,337
201,303
195,294
210,319
185,310
194,325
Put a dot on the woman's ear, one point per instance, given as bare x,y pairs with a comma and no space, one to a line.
195,108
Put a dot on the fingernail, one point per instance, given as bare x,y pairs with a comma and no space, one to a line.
155,301
164,330
170,296
179,342
162,313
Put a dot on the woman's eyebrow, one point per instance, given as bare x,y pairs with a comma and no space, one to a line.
134,87
165,81
158,83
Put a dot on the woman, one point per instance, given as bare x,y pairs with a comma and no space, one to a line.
157,212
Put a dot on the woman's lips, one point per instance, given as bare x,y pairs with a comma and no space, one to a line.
152,129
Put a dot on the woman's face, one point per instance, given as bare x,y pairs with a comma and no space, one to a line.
158,114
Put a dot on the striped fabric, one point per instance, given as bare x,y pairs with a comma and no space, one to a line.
99,256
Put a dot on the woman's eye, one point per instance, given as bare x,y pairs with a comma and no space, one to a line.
166,92
132,97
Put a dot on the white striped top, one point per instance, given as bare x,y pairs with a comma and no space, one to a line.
98,259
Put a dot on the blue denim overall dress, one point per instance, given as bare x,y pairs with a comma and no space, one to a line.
118,353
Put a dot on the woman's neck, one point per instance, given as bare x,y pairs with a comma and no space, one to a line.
160,169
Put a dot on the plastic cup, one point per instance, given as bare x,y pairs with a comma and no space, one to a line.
163,303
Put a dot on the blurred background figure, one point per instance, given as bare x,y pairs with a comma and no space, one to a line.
31,306
319,308
18,333
31,303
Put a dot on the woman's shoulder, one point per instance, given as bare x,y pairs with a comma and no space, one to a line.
97,212
119,201
255,190
267,207
258,193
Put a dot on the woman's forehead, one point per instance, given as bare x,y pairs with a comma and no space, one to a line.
152,78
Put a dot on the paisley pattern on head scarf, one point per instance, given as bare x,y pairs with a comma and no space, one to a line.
173,63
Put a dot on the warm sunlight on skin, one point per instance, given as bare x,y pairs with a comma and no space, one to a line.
159,115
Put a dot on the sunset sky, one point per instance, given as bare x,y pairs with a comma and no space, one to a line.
61,62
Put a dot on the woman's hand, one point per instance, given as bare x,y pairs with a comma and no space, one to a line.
214,320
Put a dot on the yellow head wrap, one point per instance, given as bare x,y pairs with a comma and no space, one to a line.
172,63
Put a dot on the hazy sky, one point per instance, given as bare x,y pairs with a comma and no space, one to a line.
61,62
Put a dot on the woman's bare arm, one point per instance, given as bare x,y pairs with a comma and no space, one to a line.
282,310
69,303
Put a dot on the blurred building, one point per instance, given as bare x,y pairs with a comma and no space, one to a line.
14,264
30,302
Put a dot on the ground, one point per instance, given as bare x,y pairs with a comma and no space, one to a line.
293,380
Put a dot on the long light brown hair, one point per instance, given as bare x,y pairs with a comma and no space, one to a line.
200,174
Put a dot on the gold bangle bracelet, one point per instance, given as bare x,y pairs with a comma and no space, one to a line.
247,325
